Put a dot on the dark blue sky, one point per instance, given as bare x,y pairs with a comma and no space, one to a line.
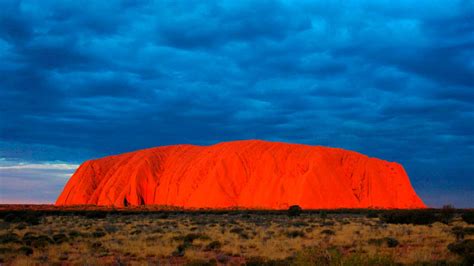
85,79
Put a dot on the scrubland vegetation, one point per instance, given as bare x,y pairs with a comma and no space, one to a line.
236,237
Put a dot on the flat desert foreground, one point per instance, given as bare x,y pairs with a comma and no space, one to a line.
45,235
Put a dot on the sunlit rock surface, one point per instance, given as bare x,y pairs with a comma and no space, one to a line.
246,174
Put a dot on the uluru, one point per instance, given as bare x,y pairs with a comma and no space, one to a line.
241,174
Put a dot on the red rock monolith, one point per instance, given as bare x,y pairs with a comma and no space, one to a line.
245,174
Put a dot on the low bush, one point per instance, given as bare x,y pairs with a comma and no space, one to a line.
191,237
389,241
74,234
468,217
201,262
418,217
447,214
372,214
110,228
458,232
9,238
323,215
95,214
98,233
60,238
328,223
237,230
5,250
41,241
295,234
180,250
28,217
25,250
294,210
465,249
328,232
259,261
300,224
332,256
376,241
136,232
95,245
63,257
214,245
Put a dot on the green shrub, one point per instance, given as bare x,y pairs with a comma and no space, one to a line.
376,241
60,238
96,214
74,234
323,215
28,217
24,250
458,232
468,217
21,226
391,242
214,245
191,237
110,228
317,256
418,217
465,249
98,233
9,238
294,210
41,241
180,250
372,214
28,238
223,258
294,234
136,232
328,232
236,230
259,261
201,262
300,224
447,214
328,223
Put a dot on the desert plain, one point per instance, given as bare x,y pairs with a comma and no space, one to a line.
49,235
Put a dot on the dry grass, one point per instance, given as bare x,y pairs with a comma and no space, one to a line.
181,238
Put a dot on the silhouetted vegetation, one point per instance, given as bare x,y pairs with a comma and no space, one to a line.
468,217
328,232
25,250
465,249
372,214
9,238
447,213
323,215
214,245
28,217
420,217
294,210
295,233
387,241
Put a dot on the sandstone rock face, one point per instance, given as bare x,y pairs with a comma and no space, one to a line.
246,174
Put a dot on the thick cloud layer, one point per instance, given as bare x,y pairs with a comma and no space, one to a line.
391,80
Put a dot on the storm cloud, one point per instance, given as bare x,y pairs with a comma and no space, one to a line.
392,80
